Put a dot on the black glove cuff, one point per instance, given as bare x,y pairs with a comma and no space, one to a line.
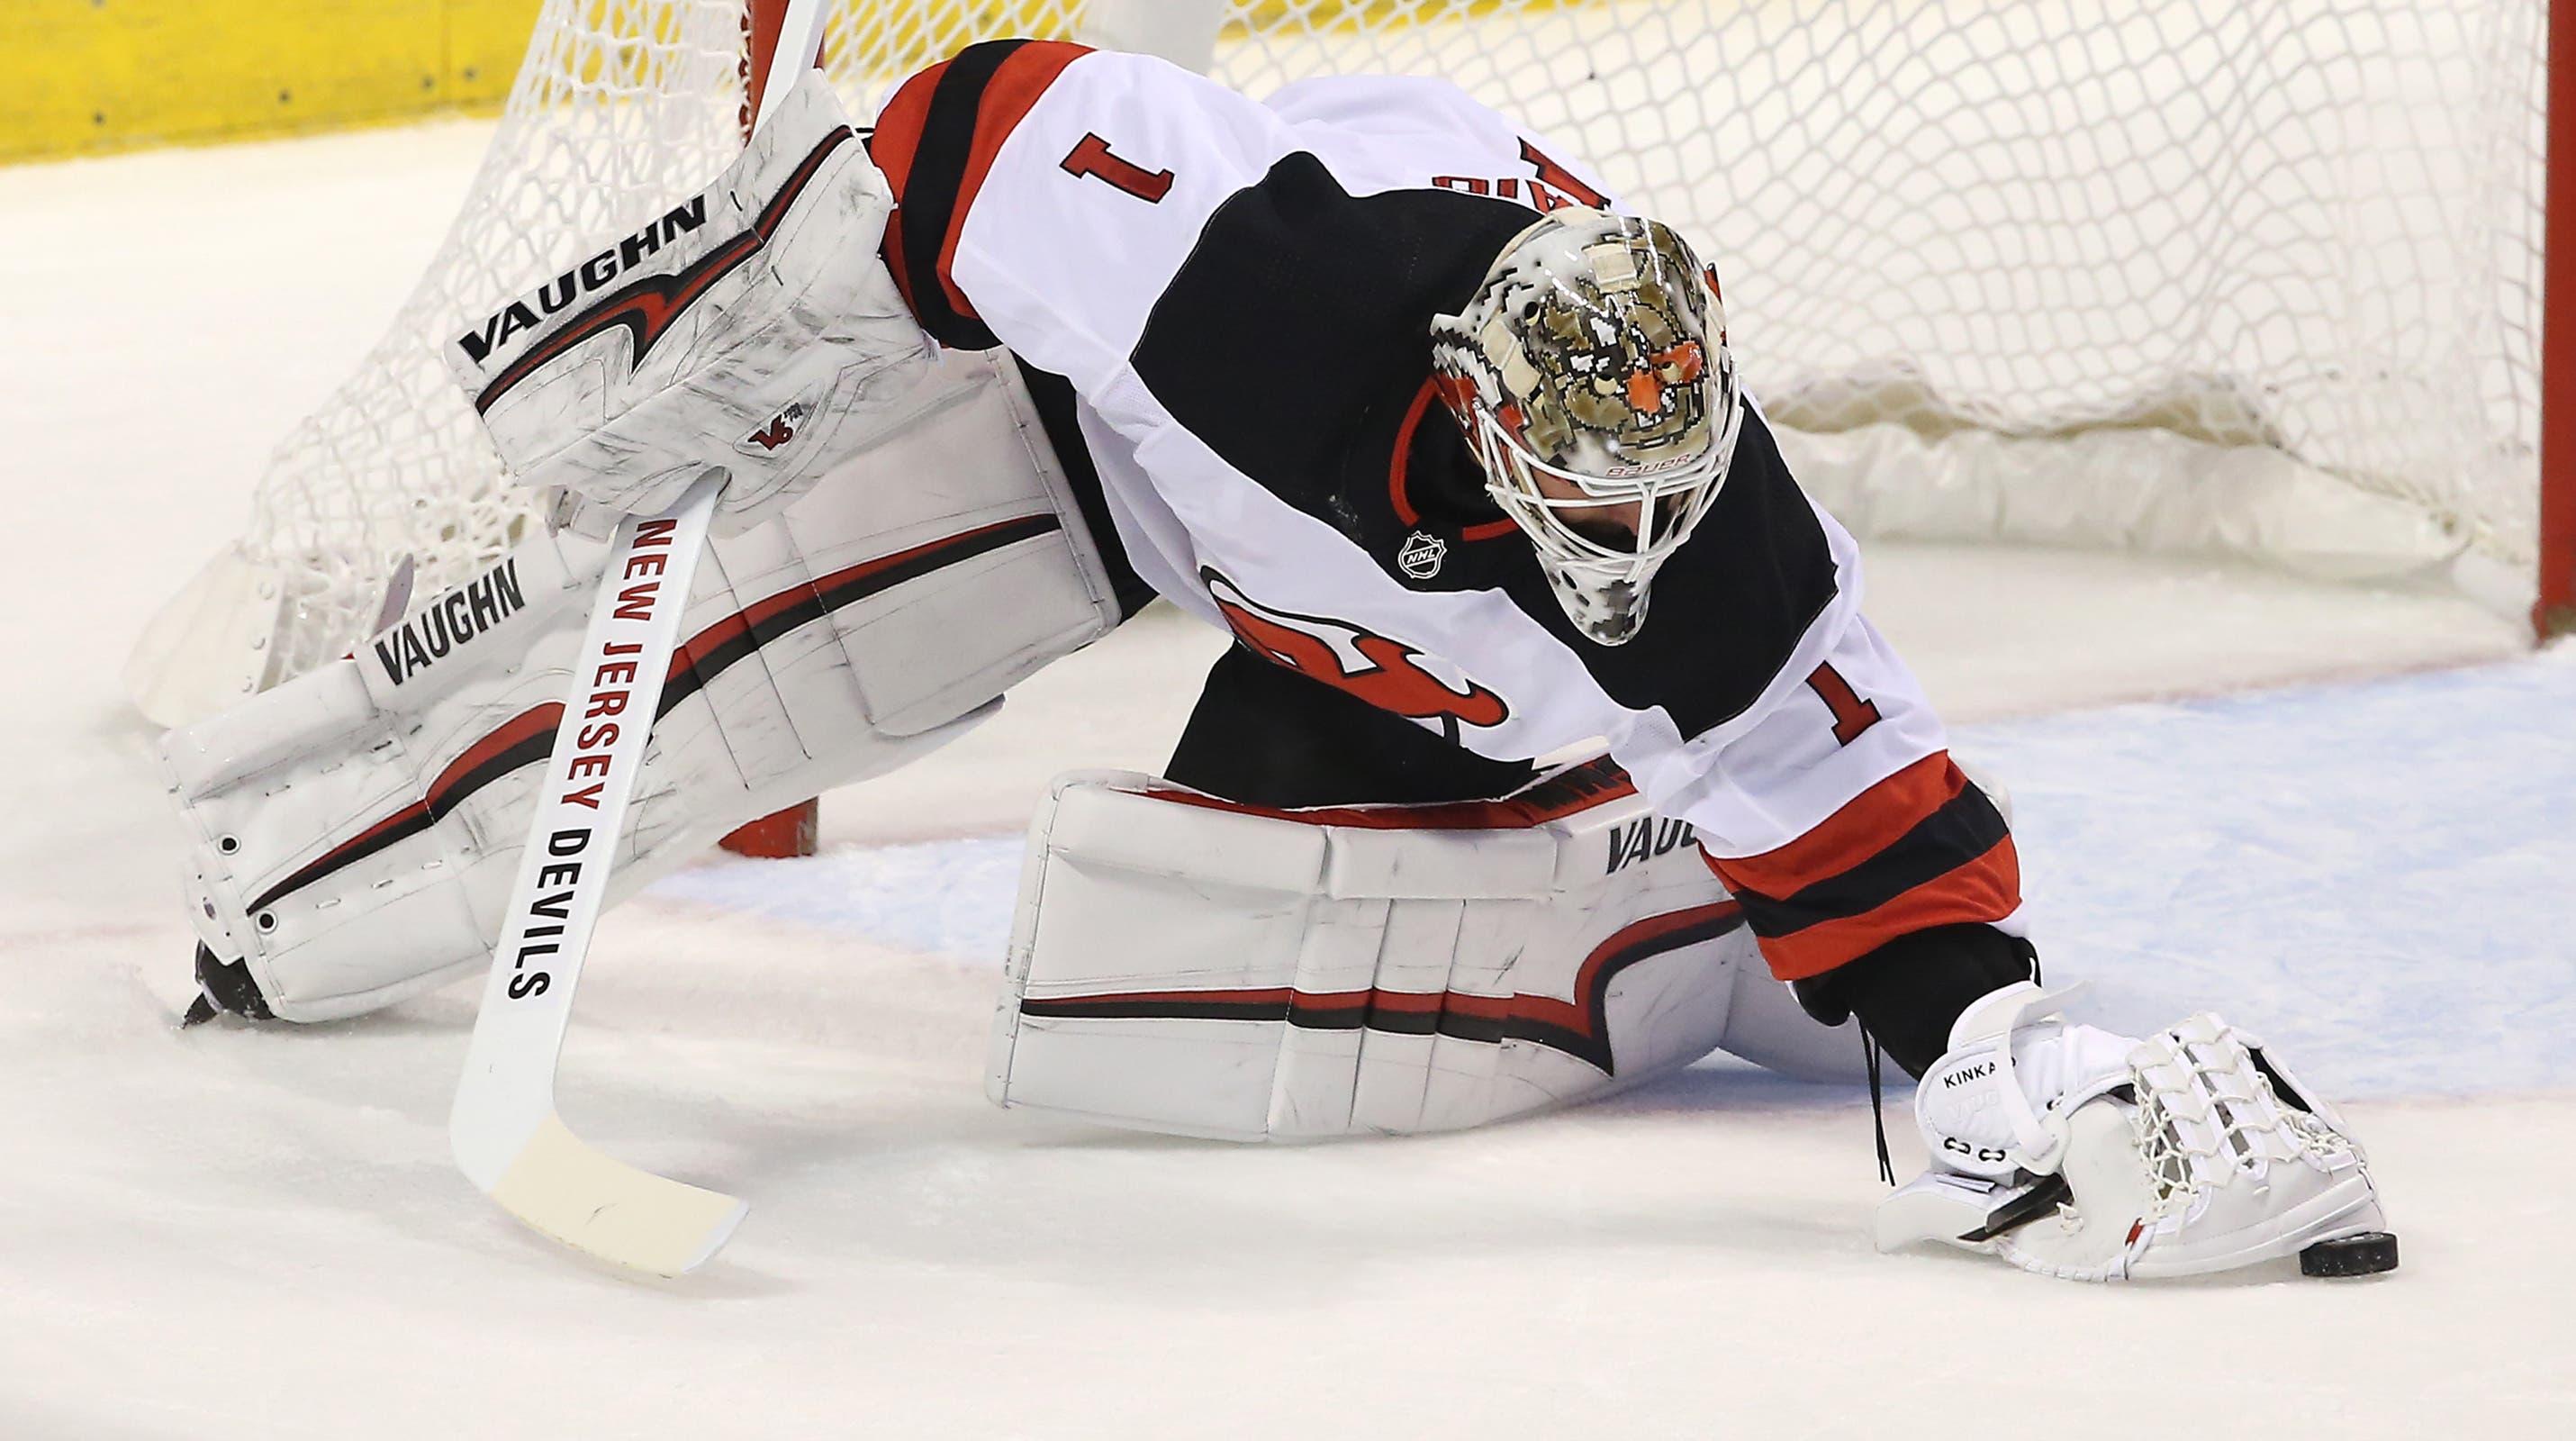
1909,992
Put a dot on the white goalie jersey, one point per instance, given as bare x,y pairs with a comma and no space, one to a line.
1201,327
1239,295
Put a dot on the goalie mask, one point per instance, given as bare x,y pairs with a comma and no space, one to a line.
1591,376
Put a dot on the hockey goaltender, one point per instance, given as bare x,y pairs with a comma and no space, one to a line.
1454,446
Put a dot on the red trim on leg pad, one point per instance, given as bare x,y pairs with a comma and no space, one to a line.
787,835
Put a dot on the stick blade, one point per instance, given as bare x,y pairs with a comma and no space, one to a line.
595,1203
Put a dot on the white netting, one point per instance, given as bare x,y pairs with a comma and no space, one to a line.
2302,230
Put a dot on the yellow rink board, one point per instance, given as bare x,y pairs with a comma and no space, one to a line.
85,76
81,76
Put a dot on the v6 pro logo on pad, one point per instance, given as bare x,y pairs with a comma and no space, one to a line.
1378,669
780,429
789,424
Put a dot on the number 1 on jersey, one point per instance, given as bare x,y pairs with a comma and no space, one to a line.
1091,157
1852,715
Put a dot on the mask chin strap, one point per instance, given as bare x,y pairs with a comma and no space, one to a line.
1598,608
1604,591
1613,588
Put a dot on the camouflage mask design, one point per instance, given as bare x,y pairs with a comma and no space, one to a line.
1590,372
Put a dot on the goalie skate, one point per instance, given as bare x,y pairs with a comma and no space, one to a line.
2073,1153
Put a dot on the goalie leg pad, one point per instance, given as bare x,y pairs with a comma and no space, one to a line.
1186,964
350,836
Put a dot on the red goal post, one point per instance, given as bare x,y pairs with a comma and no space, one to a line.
796,831
2553,613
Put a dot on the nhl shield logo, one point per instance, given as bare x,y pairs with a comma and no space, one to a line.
1422,555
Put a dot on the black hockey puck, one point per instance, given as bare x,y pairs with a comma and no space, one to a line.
2367,1254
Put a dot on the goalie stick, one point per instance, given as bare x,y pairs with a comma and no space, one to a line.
503,1129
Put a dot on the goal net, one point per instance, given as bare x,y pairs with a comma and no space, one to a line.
2207,277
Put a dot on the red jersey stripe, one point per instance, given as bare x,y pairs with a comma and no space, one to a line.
1008,98
1985,889
1864,826
1003,101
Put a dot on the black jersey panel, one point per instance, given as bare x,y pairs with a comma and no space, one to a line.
1295,342
1297,335
1728,608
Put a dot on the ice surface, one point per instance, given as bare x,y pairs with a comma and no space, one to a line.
242,1234
2346,870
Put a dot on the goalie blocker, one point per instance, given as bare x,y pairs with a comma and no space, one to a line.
350,835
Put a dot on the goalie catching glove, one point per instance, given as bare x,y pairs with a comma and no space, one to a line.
2075,1153
750,330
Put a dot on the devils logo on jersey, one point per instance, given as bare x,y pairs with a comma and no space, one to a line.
1378,669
